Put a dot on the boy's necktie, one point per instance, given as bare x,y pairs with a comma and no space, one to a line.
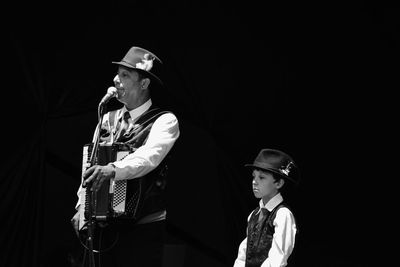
263,214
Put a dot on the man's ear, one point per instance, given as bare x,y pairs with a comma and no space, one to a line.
144,83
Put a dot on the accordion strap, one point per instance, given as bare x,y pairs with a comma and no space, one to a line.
146,122
143,125
149,116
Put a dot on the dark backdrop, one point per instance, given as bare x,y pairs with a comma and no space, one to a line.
312,79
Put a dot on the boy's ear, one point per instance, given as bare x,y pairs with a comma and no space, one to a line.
280,183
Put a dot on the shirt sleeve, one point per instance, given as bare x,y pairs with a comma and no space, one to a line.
283,239
81,197
241,257
162,136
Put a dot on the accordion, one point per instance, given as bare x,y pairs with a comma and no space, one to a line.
114,199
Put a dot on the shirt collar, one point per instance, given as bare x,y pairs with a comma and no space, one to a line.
272,203
135,113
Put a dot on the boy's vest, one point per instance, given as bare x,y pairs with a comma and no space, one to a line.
259,236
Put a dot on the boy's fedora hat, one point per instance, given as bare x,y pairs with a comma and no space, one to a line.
277,162
142,60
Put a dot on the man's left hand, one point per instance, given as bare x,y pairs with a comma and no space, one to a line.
97,175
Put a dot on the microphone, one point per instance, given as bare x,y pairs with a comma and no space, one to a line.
111,92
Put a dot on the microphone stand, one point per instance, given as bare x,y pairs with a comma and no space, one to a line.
92,194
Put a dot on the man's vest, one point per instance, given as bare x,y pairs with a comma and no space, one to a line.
154,182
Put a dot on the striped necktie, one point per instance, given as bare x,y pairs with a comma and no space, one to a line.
124,125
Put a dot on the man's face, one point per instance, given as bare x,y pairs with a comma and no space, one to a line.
128,85
264,185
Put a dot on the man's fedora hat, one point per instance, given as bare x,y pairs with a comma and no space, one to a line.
277,162
142,60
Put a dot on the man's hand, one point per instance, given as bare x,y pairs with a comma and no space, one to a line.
97,175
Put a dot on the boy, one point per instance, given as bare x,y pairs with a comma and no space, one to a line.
271,227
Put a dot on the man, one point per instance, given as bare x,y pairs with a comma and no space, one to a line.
139,242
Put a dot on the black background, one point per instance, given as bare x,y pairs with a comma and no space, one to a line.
316,80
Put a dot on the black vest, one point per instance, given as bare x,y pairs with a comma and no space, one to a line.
154,182
259,237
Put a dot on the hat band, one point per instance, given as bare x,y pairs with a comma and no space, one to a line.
263,165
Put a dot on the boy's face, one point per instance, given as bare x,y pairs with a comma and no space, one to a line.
264,185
